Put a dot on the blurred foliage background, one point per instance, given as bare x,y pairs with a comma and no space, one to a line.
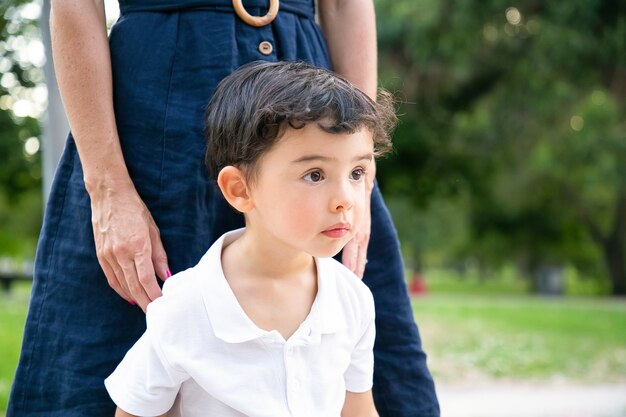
511,151
22,104
508,179
510,157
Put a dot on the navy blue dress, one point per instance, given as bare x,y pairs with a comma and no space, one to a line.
167,57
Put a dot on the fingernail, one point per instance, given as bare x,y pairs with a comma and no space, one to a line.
168,273
132,303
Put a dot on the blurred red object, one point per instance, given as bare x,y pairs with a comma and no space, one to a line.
417,286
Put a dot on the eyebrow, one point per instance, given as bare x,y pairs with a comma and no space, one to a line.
310,158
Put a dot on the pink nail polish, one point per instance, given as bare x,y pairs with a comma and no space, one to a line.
132,303
168,273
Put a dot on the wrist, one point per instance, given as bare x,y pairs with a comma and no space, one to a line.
102,184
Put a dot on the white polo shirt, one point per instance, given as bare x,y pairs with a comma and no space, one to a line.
201,355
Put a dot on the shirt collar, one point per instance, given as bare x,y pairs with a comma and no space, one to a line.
231,324
327,304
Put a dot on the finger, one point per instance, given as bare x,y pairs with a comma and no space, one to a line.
136,289
159,257
147,277
119,274
349,255
116,282
362,256
117,270
363,238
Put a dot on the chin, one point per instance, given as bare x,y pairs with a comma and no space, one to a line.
330,252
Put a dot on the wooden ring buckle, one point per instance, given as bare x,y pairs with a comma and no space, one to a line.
256,21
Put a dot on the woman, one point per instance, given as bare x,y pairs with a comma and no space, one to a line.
131,199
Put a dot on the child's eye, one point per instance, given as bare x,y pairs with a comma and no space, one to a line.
313,176
357,174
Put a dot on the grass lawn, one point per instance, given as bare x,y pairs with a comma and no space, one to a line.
12,317
469,337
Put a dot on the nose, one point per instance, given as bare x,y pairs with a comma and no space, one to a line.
343,197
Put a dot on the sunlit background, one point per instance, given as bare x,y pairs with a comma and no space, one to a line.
507,187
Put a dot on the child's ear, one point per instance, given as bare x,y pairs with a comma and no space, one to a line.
232,183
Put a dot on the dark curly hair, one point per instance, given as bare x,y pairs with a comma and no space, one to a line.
252,107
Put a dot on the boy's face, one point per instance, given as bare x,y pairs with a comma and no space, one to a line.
309,194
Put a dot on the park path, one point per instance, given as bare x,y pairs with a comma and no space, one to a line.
523,399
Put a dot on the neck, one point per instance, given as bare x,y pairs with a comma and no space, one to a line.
261,255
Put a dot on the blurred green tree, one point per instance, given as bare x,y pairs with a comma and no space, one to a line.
517,112
511,136
22,101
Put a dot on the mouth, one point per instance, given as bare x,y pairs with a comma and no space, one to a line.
337,230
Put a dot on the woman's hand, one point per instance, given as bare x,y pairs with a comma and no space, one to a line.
128,244
354,255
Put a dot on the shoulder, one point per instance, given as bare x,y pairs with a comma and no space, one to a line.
351,290
178,322
182,297
180,308
346,279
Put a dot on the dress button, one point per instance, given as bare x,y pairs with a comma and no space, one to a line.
266,48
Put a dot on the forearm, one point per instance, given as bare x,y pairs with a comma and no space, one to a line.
121,413
83,68
350,30
359,405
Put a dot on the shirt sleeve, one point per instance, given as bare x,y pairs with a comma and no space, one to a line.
144,383
359,377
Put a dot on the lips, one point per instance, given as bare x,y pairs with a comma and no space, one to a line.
337,230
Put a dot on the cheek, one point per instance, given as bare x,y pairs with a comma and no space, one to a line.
301,210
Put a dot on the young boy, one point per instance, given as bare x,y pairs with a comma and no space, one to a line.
267,323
